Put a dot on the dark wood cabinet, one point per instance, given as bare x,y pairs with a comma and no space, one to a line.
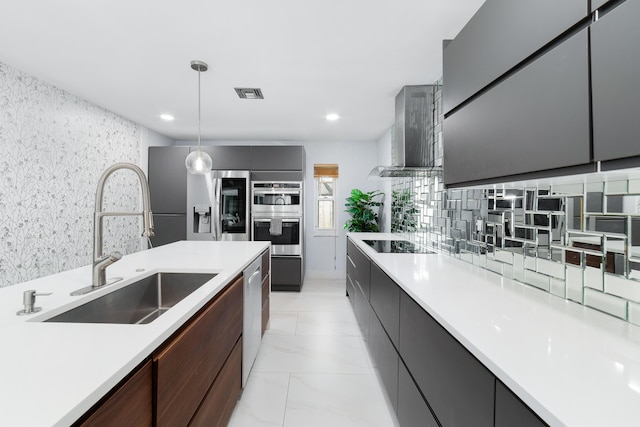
459,389
510,411
499,36
186,366
129,403
385,300
219,402
615,66
412,410
534,121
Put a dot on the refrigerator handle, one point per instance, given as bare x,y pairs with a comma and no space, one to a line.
215,211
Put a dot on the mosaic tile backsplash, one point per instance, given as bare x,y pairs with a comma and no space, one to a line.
54,147
577,241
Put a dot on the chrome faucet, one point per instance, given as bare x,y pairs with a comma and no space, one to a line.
100,261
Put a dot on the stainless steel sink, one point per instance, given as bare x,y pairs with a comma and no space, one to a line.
140,302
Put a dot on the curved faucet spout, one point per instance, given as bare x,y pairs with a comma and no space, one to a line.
147,217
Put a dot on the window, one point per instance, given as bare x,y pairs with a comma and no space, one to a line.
326,177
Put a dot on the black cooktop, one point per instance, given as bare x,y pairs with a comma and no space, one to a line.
397,247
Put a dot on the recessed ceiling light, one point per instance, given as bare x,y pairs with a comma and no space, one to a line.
332,117
167,117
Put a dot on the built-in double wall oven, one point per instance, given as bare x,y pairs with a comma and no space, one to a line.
276,210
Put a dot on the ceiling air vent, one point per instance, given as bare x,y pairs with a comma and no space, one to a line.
249,93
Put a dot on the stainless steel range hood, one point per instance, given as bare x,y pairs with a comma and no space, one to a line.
412,145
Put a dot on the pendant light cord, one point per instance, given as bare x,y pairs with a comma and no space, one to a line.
199,109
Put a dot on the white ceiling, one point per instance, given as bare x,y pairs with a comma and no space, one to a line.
309,58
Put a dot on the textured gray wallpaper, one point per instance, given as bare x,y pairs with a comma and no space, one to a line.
54,146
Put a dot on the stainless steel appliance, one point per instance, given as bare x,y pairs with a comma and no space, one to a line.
285,234
276,198
277,217
218,206
251,316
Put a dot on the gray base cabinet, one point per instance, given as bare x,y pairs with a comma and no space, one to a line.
412,410
430,378
385,358
459,389
286,273
385,301
510,411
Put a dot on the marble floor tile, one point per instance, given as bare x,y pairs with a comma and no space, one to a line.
313,367
327,323
282,323
336,400
263,401
288,301
315,286
312,354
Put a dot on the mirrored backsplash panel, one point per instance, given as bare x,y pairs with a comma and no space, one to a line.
576,237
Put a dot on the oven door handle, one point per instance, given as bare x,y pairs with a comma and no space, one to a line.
268,192
269,219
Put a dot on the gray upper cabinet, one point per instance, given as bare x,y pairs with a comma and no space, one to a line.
615,67
535,120
499,36
277,158
168,179
229,157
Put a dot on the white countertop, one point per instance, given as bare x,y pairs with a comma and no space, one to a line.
52,373
571,364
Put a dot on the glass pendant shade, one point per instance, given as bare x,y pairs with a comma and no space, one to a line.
198,162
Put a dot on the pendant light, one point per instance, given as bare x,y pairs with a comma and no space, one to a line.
198,162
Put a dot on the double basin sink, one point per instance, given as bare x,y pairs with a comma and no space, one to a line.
140,302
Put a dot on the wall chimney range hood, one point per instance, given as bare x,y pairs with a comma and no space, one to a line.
412,145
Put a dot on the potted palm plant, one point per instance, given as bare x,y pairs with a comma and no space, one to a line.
360,206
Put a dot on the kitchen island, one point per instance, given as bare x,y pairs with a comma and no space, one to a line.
570,364
52,373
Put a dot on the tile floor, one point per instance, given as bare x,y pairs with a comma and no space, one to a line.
313,368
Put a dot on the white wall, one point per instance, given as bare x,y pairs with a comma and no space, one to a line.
384,185
326,256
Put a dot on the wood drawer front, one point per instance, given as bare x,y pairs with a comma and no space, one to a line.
265,288
217,406
130,404
187,365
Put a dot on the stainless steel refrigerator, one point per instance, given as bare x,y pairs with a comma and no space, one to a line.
218,206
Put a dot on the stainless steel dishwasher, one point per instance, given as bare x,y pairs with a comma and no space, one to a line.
251,316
